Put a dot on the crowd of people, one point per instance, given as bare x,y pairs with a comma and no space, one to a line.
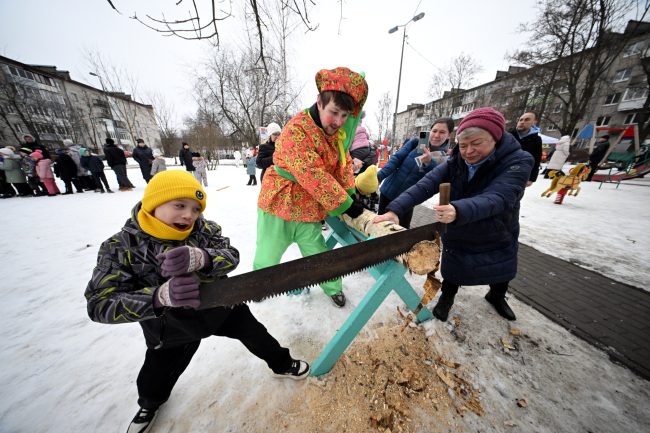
321,163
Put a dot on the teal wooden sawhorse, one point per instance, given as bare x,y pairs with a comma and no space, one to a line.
389,276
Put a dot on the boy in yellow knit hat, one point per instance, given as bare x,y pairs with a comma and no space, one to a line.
150,272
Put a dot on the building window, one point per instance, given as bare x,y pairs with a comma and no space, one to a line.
635,93
13,71
633,48
18,127
551,128
557,108
603,121
630,119
613,98
622,75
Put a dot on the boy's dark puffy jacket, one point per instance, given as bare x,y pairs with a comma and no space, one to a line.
114,155
480,246
127,275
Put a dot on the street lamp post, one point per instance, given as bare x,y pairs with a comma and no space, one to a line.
108,103
399,79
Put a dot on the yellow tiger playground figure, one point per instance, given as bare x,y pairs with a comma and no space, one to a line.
563,184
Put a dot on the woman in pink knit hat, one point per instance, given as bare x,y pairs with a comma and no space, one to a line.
488,173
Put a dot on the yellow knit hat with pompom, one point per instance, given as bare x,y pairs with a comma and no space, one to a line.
367,182
172,185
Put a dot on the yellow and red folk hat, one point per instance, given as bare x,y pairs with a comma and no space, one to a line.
344,80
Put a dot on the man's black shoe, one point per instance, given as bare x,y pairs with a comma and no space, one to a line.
338,299
500,305
441,310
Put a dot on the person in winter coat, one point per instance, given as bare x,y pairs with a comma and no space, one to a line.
44,172
159,163
14,175
488,172
312,175
200,168
84,179
28,165
265,156
116,160
33,144
250,170
171,247
527,134
597,156
237,155
185,155
361,151
66,169
143,155
411,163
95,166
560,155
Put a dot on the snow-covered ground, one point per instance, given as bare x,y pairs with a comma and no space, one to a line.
60,372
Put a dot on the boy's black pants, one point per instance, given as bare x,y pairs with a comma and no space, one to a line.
162,367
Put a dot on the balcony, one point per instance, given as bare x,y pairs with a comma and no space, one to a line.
633,104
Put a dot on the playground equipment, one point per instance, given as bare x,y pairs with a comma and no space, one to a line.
566,184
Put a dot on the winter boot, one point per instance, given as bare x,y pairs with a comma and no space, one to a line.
338,299
441,310
560,196
299,370
499,303
143,420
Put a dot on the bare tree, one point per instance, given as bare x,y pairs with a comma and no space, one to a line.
458,74
384,116
643,115
243,94
121,88
164,114
203,20
579,36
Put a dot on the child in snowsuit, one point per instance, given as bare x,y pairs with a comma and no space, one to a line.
170,248
95,166
44,172
250,170
200,168
28,165
159,163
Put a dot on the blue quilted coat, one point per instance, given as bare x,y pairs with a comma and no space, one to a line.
480,246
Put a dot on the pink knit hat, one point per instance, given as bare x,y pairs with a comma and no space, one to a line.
486,118
37,154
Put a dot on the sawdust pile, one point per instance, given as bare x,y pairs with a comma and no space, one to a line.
394,383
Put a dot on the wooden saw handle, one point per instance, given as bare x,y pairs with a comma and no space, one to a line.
445,193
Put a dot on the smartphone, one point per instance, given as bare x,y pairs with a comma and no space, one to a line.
423,141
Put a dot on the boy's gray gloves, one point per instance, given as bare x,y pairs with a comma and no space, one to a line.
182,260
180,291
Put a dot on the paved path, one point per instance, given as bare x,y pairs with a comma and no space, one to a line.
610,315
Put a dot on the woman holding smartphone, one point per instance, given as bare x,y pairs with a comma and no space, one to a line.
415,159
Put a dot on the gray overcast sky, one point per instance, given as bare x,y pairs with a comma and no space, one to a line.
57,33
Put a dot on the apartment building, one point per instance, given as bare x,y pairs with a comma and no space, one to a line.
618,97
47,103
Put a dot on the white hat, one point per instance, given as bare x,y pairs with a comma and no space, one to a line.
157,152
6,152
273,128
67,142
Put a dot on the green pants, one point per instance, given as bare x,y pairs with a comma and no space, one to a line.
275,235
